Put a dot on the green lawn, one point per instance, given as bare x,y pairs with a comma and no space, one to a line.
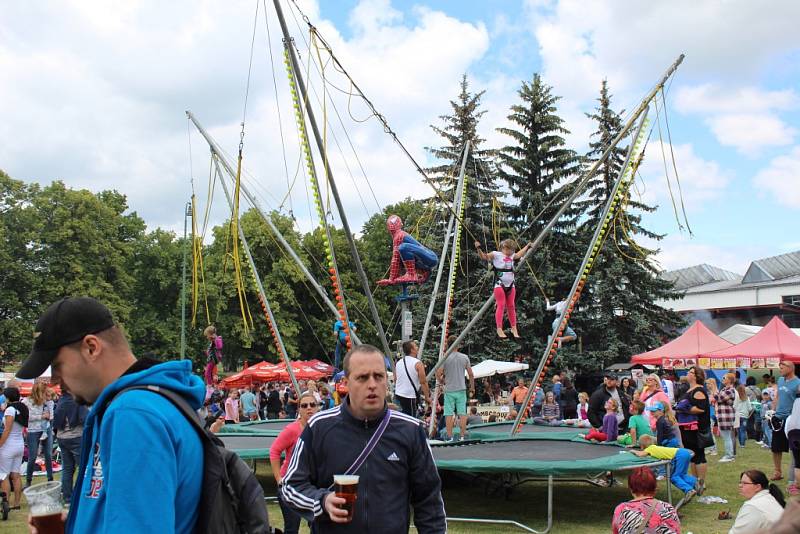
578,508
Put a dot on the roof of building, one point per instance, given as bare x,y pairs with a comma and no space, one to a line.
784,268
699,275
773,268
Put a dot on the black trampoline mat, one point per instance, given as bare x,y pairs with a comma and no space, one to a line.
243,441
525,450
505,428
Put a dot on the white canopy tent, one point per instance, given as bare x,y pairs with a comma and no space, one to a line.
742,332
494,367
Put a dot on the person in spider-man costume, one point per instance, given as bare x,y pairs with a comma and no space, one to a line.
417,259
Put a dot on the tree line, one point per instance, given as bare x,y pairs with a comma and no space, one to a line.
57,241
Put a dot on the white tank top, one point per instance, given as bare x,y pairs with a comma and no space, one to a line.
501,261
403,387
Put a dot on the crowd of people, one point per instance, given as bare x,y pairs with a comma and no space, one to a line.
130,461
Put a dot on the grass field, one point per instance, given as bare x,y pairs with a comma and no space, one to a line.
578,508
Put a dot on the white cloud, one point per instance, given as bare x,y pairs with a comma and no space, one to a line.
99,94
630,43
744,118
750,132
710,98
782,179
701,180
679,251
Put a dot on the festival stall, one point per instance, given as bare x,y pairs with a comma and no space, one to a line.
771,345
683,351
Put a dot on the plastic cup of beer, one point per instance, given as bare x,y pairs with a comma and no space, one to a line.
44,502
346,487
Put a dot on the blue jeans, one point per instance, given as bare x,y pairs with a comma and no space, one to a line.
680,475
291,519
70,460
742,433
727,439
425,258
767,432
33,452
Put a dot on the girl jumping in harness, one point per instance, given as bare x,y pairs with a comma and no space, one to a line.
504,290
213,354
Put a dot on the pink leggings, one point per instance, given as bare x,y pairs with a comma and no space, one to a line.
505,301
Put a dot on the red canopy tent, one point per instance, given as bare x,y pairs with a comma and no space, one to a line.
302,371
772,344
260,372
695,341
326,368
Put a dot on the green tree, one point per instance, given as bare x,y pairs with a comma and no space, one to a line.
617,316
473,284
19,280
537,166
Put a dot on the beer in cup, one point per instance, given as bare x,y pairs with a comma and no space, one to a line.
346,487
44,502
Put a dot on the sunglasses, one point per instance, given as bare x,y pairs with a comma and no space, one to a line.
308,404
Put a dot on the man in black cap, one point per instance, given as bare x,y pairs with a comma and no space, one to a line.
608,390
141,460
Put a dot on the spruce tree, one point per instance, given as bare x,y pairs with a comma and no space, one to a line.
473,285
537,165
617,316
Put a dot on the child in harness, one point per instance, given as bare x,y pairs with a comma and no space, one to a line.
504,290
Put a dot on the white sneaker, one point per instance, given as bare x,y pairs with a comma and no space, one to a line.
759,443
726,459
660,477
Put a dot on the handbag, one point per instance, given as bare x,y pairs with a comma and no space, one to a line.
416,391
705,438
643,526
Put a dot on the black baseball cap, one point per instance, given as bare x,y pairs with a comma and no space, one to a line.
64,322
610,376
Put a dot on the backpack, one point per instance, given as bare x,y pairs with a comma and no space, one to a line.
231,499
22,413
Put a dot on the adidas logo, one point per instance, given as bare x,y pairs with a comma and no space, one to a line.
393,458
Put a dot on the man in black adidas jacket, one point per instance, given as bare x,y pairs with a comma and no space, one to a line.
398,472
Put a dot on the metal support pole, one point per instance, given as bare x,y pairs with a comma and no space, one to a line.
362,275
459,203
406,320
279,236
583,181
260,286
187,212
440,268
581,276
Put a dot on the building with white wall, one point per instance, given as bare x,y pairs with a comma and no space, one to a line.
720,298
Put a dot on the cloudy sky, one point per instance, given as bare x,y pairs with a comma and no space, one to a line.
93,93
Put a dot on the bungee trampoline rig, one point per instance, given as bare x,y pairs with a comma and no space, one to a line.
503,455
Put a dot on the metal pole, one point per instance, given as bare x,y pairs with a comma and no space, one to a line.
187,212
578,190
594,246
440,268
331,182
281,239
459,198
259,285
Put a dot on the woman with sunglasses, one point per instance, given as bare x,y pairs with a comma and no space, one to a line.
285,442
763,507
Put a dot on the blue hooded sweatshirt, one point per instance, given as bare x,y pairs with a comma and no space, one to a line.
142,466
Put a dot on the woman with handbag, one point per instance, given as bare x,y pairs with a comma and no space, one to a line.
644,513
696,435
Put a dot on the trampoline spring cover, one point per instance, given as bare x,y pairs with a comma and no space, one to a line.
536,457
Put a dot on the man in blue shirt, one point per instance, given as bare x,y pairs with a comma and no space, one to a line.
788,386
141,459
